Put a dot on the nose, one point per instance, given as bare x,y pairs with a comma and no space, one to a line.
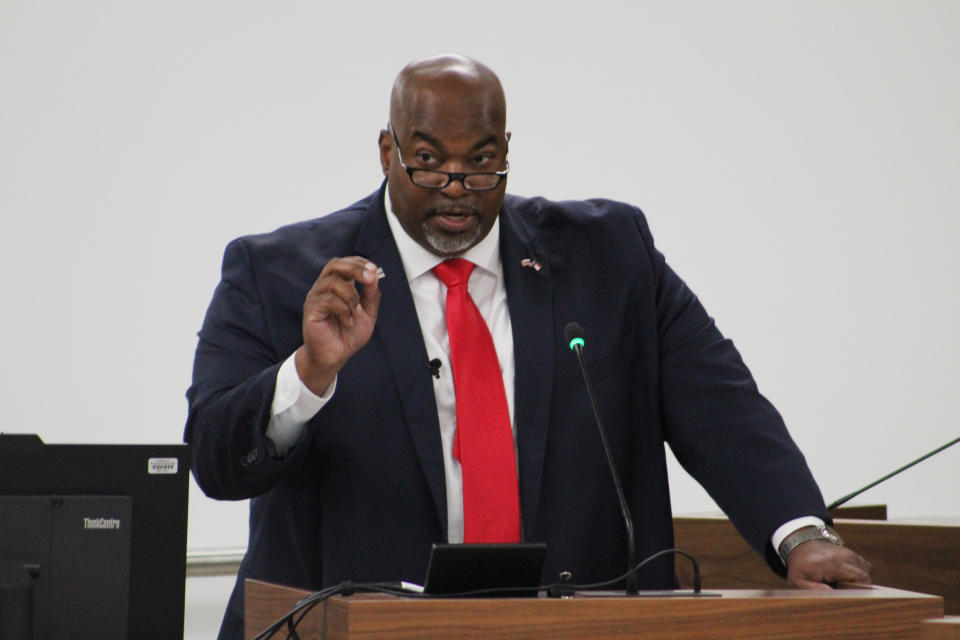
455,188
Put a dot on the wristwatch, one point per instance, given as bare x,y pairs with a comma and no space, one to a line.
806,534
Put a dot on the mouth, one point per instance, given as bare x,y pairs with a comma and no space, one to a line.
455,220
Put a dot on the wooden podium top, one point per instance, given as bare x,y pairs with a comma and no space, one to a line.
915,555
873,612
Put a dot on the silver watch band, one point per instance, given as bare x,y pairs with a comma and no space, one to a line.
806,534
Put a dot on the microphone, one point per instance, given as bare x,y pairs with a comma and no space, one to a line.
844,499
434,366
574,336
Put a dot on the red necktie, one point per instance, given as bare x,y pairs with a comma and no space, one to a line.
483,442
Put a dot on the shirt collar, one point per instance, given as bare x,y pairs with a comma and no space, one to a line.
418,261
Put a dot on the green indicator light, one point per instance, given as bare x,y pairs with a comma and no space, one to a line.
575,342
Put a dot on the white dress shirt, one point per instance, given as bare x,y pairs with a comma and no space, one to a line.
294,404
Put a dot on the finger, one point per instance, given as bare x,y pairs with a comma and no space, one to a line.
370,296
857,562
345,290
351,268
847,572
346,262
864,575
853,585
812,585
325,306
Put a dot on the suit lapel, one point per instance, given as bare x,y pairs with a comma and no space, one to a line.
399,330
534,334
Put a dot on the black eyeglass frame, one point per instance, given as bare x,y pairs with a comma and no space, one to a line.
451,176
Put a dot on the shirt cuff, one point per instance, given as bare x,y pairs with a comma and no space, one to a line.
793,525
293,406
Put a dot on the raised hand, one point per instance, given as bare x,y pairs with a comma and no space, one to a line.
337,319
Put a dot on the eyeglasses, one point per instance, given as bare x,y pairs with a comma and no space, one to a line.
430,179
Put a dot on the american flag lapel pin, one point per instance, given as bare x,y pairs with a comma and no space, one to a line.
530,262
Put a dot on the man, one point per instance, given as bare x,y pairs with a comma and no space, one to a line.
336,399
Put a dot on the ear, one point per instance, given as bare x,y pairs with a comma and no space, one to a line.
385,142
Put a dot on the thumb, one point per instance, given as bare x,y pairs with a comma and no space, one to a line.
370,299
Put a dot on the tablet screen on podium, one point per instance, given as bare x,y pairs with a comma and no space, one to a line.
485,570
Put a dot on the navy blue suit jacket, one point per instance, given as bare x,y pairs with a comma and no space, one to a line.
362,496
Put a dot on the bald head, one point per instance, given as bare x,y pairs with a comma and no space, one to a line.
463,83
447,138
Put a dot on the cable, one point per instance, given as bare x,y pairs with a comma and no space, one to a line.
287,619
649,559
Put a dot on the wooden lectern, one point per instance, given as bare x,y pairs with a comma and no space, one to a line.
876,612
912,555
752,604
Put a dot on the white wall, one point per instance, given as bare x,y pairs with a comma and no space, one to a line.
798,162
